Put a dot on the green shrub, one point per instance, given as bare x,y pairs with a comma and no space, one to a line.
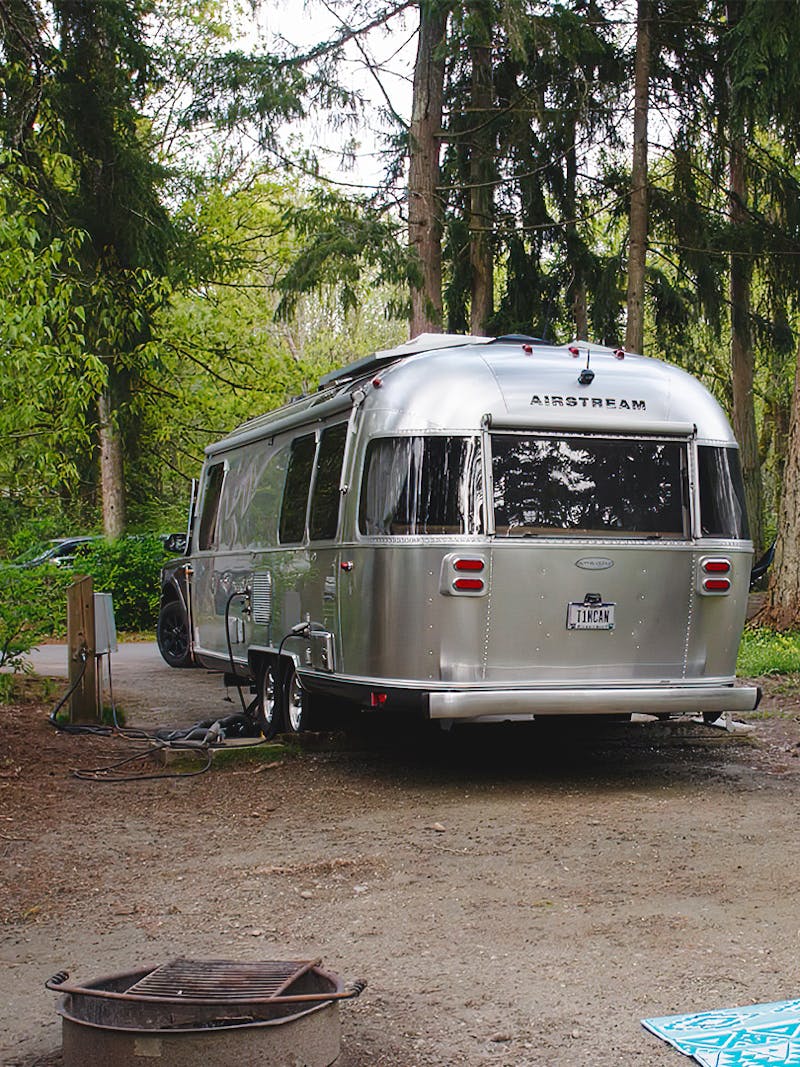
32,608
129,570
764,651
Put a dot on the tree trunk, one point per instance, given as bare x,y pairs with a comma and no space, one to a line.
742,355
575,246
481,170
637,246
782,609
112,482
424,209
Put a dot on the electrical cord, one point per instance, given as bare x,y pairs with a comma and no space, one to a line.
104,773
228,603
201,738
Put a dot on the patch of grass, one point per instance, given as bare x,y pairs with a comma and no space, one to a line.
764,651
25,688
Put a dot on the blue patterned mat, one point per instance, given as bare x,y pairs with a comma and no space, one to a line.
763,1035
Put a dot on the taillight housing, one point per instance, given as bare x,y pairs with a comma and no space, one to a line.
715,576
463,575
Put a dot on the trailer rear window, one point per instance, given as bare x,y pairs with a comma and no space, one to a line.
722,507
588,485
422,485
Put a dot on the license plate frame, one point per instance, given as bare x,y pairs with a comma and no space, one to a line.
590,616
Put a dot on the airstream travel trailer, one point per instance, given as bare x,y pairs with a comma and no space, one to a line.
473,529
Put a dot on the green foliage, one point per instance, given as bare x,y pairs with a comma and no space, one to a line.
129,570
32,608
764,651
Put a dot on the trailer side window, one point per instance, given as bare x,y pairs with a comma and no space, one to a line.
587,485
206,537
324,518
722,504
422,485
295,490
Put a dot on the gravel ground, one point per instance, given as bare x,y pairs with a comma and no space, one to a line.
513,895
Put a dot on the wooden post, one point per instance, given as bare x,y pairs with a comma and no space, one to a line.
83,706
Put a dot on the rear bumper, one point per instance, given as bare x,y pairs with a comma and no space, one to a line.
505,704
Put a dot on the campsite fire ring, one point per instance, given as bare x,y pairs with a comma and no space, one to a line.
214,1012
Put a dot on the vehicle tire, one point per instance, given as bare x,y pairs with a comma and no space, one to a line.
172,634
269,714
296,703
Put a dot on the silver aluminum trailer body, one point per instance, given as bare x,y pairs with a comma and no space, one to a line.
480,530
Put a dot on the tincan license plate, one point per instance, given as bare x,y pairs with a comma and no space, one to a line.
590,616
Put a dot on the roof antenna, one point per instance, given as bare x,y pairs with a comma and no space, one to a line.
586,376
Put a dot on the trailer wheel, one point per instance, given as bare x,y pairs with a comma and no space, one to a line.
269,716
296,703
172,634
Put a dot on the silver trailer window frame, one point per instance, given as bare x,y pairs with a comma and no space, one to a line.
477,497
317,433
686,490
201,506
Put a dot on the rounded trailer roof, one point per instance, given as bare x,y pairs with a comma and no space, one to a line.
449,382
530,385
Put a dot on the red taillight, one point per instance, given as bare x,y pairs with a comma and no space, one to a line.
468,585
716,585
468,565
377,700
717,566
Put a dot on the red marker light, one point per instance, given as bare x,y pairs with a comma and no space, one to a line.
468,585
573,350
619,353
377,700
377,382
527,348
468,565
716,585
717,566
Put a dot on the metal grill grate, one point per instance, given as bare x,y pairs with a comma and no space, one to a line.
221,979
261,597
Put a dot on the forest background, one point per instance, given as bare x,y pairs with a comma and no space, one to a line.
182,245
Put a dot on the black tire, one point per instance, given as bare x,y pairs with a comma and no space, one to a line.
295,703
270,717
172,634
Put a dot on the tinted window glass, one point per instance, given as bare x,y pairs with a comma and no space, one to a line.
587,485
325,500
206,537
266,477
722,507
295,491
422,485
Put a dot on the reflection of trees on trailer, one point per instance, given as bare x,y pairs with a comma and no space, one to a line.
469,529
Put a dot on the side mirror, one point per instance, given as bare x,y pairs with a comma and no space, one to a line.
761,567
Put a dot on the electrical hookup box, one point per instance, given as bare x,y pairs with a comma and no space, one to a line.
105,629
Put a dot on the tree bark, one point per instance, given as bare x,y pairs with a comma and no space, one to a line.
481,170
637,246
575,246
112,481
424,209
782,608
742,355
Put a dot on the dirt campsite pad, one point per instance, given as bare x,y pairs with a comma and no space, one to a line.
513,895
